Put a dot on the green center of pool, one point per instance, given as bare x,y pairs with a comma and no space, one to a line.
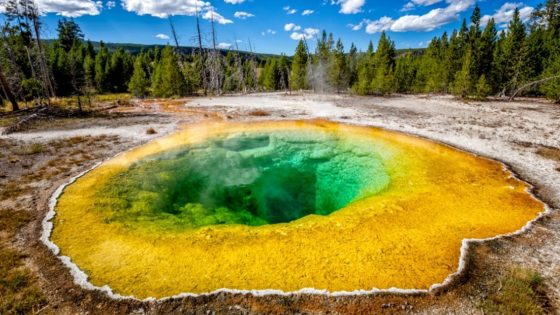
247,178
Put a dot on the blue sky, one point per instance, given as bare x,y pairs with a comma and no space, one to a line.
273,26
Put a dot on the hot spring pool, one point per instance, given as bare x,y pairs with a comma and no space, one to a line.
284,206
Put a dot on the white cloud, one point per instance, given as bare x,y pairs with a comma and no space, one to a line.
421,23
307,33
268,32
213,15
505,13
359,26
290,10
224,45
66,8
411,5
307,12
110,4
234,1
377,26
291,27
162,36
166,8
349,6
243,15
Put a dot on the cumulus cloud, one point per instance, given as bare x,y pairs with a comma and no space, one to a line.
213,15
110,4
307,12
421,23
162,36
307,33
505,13
166,8
224,45
349,6
290,10
411,5
291,27
243,15
359,26
234,1
66,8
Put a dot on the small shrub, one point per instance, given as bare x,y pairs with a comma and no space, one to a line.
36,148
259,113
151,131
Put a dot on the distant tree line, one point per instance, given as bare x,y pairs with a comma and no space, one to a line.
473,62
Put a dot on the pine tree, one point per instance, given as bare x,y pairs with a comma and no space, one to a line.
119,71
101,69
482,89
69,32
551,88
405,72
513,48
168,78
284,73
366,72
463,84
339,69
487,47
298,77
89,72
139,83
270,75
352,63
384,62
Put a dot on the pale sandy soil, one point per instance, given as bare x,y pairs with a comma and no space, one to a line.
525,135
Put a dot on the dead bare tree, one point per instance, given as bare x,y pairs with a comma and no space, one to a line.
46,77
214,63
178,50
530,84
8,91
202,54
13,82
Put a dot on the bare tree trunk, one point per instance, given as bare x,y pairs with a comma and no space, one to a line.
523,87
8,91
214,63
45,73
202,56
177,45
213,31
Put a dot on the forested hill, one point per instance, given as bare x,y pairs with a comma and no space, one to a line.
135,49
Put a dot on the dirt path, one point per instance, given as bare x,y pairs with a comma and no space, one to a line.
525,135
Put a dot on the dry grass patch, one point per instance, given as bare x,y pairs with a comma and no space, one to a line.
550,153
521,291
19,293
10,190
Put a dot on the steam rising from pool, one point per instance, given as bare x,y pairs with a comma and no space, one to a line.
247,178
